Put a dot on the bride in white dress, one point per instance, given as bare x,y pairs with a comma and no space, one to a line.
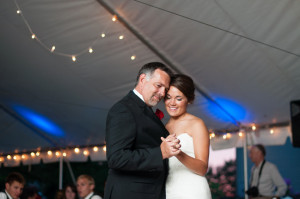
186,179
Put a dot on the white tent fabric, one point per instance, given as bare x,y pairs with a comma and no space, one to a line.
245,52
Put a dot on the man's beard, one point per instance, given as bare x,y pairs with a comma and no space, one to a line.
153,102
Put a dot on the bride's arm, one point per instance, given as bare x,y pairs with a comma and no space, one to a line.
200,135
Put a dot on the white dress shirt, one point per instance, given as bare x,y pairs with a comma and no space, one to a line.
94,197
3,195
269,180
138,94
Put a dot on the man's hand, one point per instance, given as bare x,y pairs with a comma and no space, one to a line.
170,146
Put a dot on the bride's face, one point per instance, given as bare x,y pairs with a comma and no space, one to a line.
175,102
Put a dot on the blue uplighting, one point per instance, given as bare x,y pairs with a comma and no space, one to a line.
39,121
231,107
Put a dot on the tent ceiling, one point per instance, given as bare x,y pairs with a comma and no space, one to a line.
245,53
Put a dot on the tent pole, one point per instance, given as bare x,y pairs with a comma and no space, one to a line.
71,171
245,165
60,172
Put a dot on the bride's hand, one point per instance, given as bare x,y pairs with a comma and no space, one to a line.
170,146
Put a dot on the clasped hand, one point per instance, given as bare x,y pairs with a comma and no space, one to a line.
170,146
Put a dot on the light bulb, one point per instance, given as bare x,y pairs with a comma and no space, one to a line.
32,154
224,137
95,149
73,58
90,50
49,153
18,11
86,152
240,134
8,157
76,150
133,57
121,37
114,18
102,35
33,36
253,127
271,131
104,148
53,48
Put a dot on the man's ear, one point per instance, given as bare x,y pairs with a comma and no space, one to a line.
7,185
92,186
142,77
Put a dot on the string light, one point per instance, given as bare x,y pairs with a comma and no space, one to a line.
57,153
85,152
76,150
133,57
114,18
53,48
95,149
43,154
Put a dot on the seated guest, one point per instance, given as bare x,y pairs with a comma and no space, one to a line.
14,185
85,187
70,192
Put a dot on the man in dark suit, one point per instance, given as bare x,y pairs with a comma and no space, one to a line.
137,158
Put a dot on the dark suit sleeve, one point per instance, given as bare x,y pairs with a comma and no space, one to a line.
120,138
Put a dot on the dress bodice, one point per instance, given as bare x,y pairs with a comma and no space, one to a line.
182,183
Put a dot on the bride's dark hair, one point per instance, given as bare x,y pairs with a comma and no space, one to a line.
185,84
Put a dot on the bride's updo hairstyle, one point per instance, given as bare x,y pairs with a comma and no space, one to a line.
185,84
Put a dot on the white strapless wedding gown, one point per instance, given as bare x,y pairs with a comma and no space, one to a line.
182,183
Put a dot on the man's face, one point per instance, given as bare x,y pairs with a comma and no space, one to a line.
14,189
154,89
84,187
254,154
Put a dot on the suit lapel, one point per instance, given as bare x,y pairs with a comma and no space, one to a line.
147,110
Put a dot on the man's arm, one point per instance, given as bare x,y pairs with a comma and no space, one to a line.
278,181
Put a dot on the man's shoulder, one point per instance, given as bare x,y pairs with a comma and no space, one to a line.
129,101
96,197
3,195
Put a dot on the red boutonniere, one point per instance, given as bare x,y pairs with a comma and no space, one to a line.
159,114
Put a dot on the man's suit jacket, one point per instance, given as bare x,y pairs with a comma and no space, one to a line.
136,167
